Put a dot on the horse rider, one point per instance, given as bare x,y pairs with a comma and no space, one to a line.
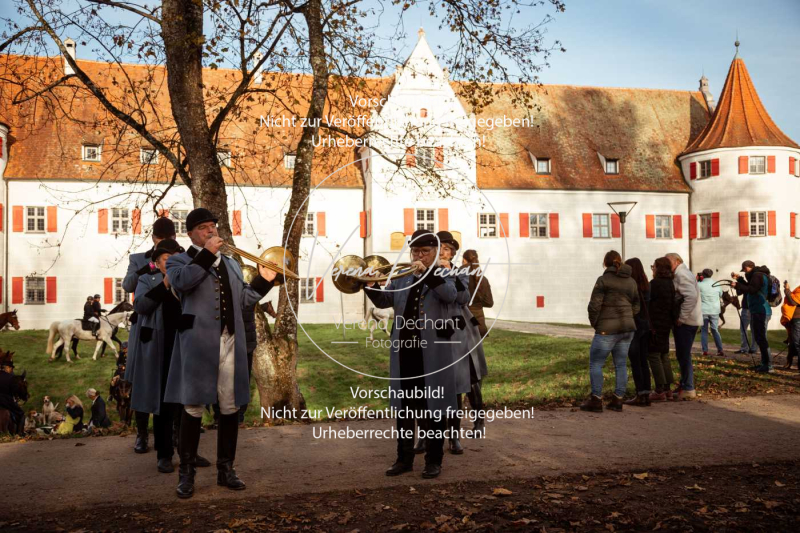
90,316
209,360
422,377
7,400
139,265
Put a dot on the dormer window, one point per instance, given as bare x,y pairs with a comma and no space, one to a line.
91,152
148,156
542,165
288,161
423,113
224,158
612,166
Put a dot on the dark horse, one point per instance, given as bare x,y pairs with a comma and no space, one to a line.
9,318
124,306
728,299
120,390
19,391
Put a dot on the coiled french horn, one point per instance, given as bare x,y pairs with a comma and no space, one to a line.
348,272
271,258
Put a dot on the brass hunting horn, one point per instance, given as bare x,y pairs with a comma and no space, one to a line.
348,272
277,259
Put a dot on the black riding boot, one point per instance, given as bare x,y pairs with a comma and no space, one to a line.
188,443
476,402
95,327
420,446
455,441
405,448
227,435
142,434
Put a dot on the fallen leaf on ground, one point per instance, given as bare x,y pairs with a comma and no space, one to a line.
501,492
779,484
643,475
695,487
771,504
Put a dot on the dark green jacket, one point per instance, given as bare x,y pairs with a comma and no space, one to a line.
615,301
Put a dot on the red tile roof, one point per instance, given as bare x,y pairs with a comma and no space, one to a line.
740,118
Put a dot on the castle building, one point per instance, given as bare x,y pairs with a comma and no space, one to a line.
541,193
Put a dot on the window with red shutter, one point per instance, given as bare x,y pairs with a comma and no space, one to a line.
411,159
362,223
504,225
715,167
322,230
772,224
51,292
715,224
587,225
320,290
771,164
524,225
136,223
692,226
108,290
102,221
650,226
616,231
444,219
677,226
554,230
744,223
744,165
693,171
793,224
17,216
408,220
17,290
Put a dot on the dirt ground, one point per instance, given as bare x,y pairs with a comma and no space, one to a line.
565,469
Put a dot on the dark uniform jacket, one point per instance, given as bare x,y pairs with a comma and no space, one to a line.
99,416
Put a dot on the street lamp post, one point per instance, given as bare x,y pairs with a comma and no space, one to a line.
622,209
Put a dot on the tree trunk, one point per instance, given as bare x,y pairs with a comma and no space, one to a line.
276,359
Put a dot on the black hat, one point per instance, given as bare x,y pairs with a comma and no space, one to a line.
97,296
164,228
198,216
89,298
167,246
445,237
748,263
426,238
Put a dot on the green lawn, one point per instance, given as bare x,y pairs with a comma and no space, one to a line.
525,369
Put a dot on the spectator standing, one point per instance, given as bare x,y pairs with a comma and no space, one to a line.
755,286
638,351
663,314
790,319
710,297
690,318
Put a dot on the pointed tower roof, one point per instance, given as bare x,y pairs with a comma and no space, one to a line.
740,118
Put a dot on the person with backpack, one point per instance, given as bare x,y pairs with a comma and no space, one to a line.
756,286
710,296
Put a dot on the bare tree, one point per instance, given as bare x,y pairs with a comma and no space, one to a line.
187,77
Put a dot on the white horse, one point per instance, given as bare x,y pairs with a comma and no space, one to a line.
67,329
378,319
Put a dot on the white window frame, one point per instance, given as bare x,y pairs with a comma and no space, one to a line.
665,229
121,216
753,222
488,223
535,224
289,161
304,285
178,217
597,227
28,289
426,222
612,163
310,226
224,157
754,169
36,217
543,165
119,290
704,170
705,220
92,149
148,156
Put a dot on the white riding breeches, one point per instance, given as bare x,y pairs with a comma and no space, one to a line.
225,378
93,319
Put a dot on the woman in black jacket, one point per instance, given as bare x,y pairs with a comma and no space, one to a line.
662,307
638,352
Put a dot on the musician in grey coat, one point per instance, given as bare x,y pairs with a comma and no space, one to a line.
209,361
421,337
138,265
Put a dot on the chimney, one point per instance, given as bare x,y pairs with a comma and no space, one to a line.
707,93
258,78
69,44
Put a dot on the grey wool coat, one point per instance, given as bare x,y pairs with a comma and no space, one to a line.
194,367
146,377
438,299
136,263
469,339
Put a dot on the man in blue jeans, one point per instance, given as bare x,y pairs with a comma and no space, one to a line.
690,318
755,286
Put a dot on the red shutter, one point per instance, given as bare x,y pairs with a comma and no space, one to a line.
540,301
772,229
792,162
524,225
439,162
677,226
743,165
411,159
587,225
164,213
744,224
17,218
715,167
362,222
616,232
408,221
136,223
444,220
102,221
237,222
1,217
504,225
108,286
554,231
771,164
693,171
320,290
16,291
792,222
692,226
650,226
50,290
321,228
715,224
